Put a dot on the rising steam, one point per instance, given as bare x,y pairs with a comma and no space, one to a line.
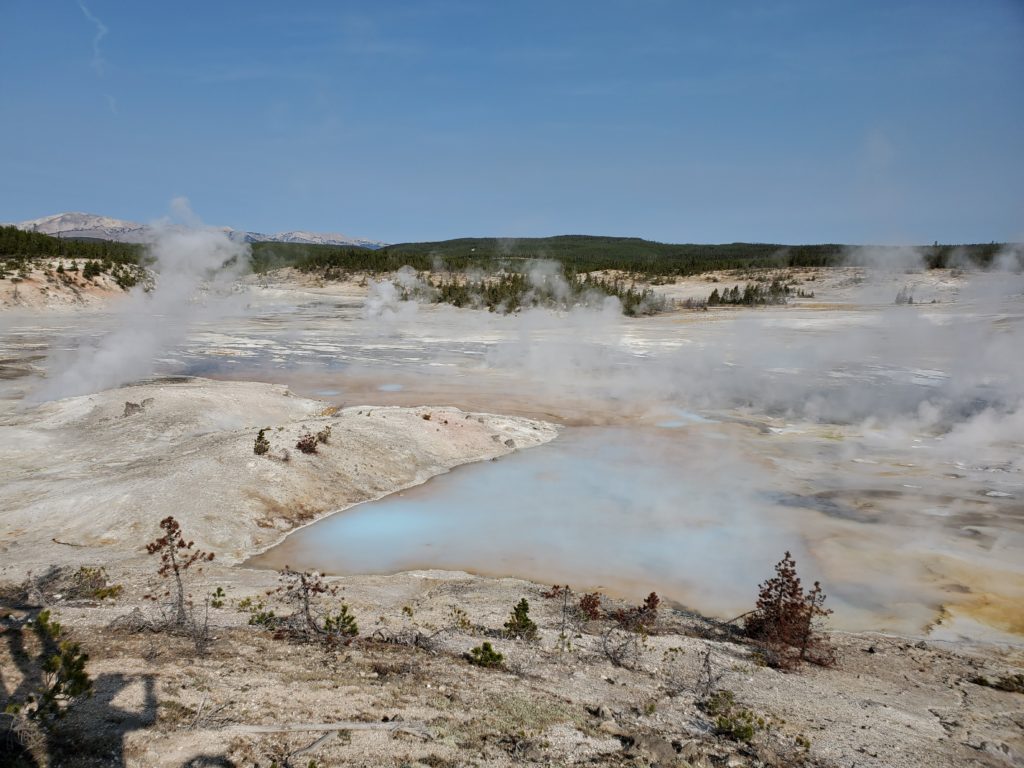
195,266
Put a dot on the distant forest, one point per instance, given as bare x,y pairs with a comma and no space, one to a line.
580,253
577,254
17,244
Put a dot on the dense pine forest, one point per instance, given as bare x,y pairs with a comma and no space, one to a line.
17,244
69,259
578,254
644,258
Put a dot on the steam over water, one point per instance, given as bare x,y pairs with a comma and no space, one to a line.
631,510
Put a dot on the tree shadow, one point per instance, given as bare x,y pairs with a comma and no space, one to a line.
94,728
98,727
211,761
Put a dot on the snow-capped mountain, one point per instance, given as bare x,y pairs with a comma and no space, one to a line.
106,228
316,238
88,225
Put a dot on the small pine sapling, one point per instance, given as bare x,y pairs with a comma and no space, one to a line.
707,678
733,721
485,656
177,557
64,679
308,622
341,624
262,444
787,621
93,583
259,616
519,624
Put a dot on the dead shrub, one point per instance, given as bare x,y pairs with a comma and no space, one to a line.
622,647
309,621
67,583
177,558
787,621
639,619
587,608
590,606
307,443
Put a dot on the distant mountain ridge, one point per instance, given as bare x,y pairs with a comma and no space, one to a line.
89,225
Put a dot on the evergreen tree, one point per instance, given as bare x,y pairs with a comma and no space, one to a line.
519,624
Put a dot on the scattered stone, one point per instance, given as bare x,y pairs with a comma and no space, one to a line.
654,749
612,728
130,408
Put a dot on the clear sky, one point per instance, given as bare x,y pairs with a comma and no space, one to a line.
676,120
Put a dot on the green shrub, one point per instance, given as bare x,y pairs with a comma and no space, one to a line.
732,721
485,656
343,624
64,679
259,616
262,445
519,623
92,583
112,591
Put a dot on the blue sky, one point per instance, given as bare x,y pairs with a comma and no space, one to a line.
803,121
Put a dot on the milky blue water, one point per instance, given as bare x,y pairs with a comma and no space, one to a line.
624,509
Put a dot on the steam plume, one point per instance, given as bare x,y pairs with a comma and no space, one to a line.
187,259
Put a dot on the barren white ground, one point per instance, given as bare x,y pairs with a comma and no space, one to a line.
85,484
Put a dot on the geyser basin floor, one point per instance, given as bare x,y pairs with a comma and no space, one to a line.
695,513
882,443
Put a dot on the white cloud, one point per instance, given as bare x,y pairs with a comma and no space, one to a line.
101,32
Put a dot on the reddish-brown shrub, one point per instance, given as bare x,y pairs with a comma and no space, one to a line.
556,592
307,443
590,606
177,556
787,622
641,618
